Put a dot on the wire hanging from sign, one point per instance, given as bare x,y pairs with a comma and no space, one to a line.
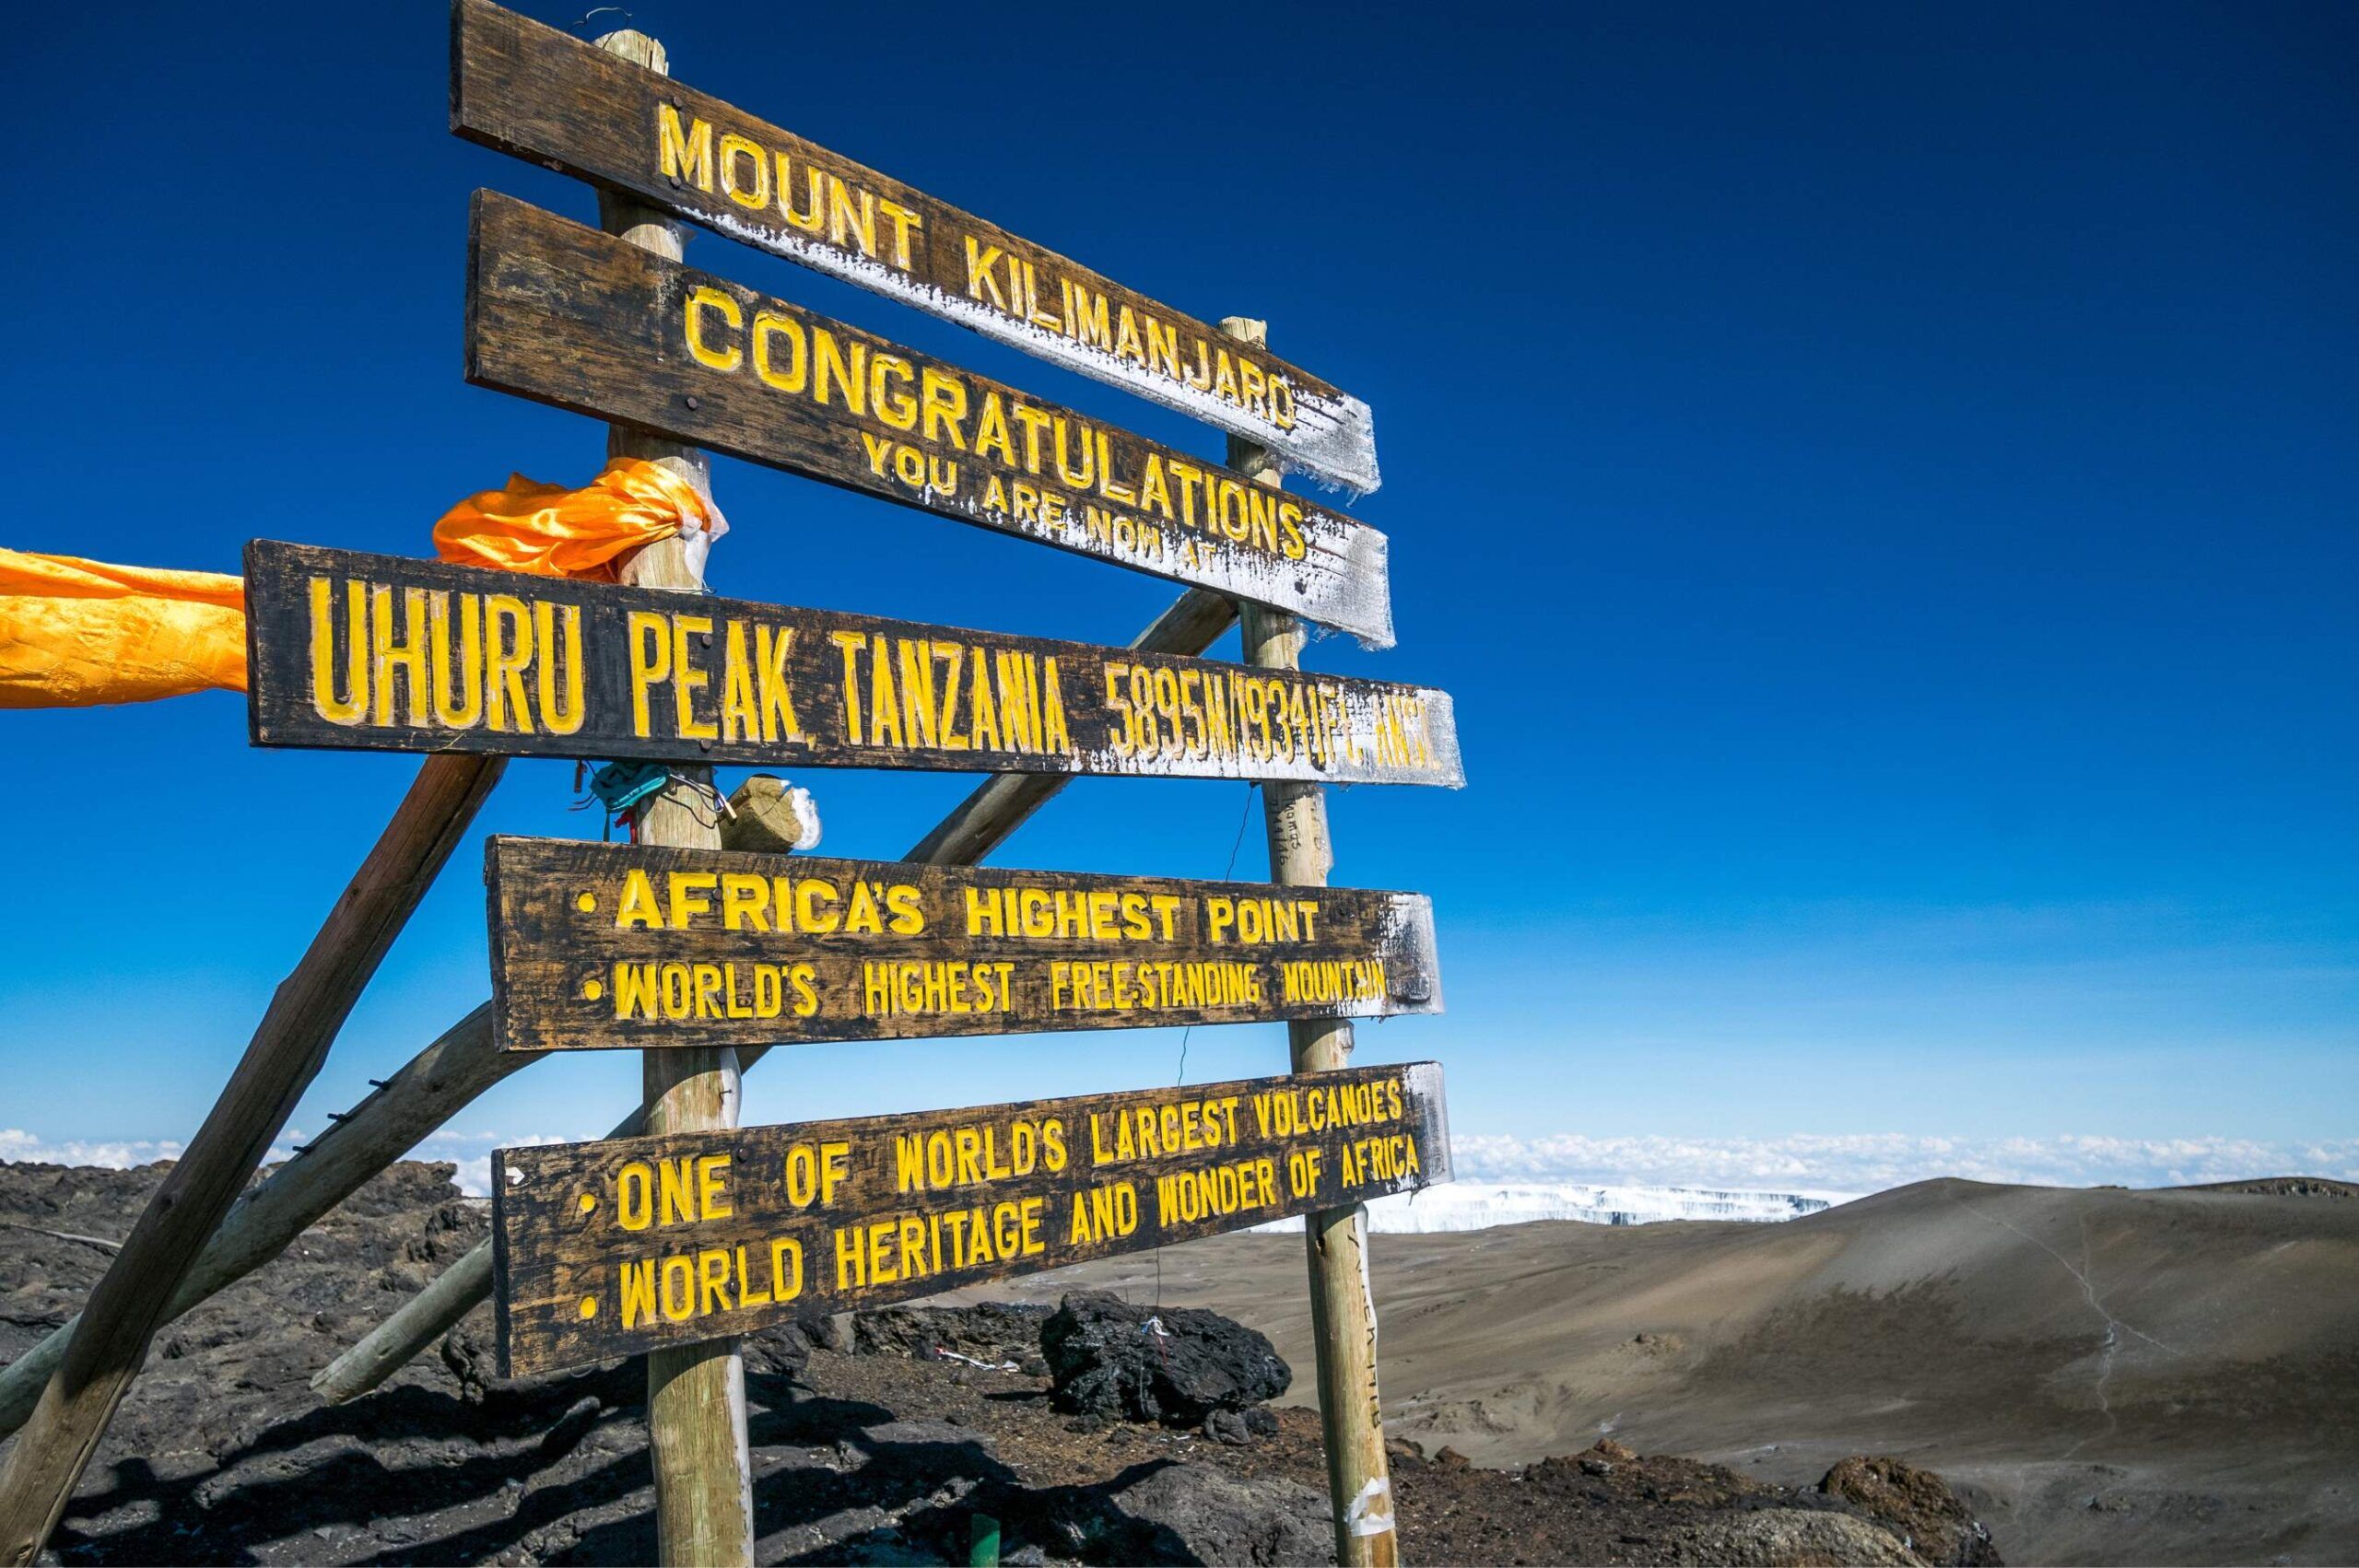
621,788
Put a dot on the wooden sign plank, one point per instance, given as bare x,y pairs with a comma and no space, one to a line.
611,1248
381,653
570,316
534,92
615,946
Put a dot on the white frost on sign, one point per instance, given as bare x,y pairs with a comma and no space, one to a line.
1407,926
1332,438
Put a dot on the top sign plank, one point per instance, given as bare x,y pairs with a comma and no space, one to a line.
591,322
534,92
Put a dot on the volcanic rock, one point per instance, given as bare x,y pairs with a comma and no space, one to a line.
1111,1358
1916,1504
1182,1512
1791,1537
991,1332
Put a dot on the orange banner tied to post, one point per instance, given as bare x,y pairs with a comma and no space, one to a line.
81,634
548,531
78,634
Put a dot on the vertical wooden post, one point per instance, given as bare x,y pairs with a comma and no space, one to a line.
135,1294
1343,1310
695,1395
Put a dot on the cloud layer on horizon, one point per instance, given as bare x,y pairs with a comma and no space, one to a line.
1817,1162
1871,1162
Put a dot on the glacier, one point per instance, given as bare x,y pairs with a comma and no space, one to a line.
1474,1206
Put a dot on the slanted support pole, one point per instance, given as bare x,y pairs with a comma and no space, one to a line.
429,1089
1342,1314
696,1394
138,1290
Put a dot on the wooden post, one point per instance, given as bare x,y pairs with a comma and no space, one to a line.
1343,1312
696,1395
289,1046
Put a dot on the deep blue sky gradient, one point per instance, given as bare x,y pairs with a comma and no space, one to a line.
1878,480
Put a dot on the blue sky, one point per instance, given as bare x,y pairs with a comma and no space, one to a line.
1878,482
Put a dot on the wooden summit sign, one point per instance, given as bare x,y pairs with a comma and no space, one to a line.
379,652
531,92
607,945
611,1249
579,319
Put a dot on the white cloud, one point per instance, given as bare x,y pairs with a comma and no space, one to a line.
19,1147
1869,1161
470,1153
1810,1163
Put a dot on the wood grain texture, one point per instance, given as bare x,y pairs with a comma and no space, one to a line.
768,813
614,946
601,1249
696,1396
1342,1305
533,92
379,652
569,316
137,1291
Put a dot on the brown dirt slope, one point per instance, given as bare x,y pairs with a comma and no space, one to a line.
2109,1376
863,1450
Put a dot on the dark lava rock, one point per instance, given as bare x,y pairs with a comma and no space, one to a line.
1175,1512
992,1331
1108,1359
2282,1186
1226,1426
1778,1537
1915,1504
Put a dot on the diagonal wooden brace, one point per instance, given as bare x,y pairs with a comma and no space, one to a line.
137,1292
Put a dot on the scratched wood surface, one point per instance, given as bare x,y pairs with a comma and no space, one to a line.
384,653
614,946
607,1248
531,92
564,314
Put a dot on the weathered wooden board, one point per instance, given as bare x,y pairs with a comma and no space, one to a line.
610,945
531,92
571,316
382,653
607,1249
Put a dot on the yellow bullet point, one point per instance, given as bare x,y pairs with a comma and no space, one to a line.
586,902
589,1307
589,1201
593,989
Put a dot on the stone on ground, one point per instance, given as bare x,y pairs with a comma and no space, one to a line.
1114,1360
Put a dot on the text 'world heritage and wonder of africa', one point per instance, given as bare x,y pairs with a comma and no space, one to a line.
610,1247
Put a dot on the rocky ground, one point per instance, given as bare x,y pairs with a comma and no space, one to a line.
870,1446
